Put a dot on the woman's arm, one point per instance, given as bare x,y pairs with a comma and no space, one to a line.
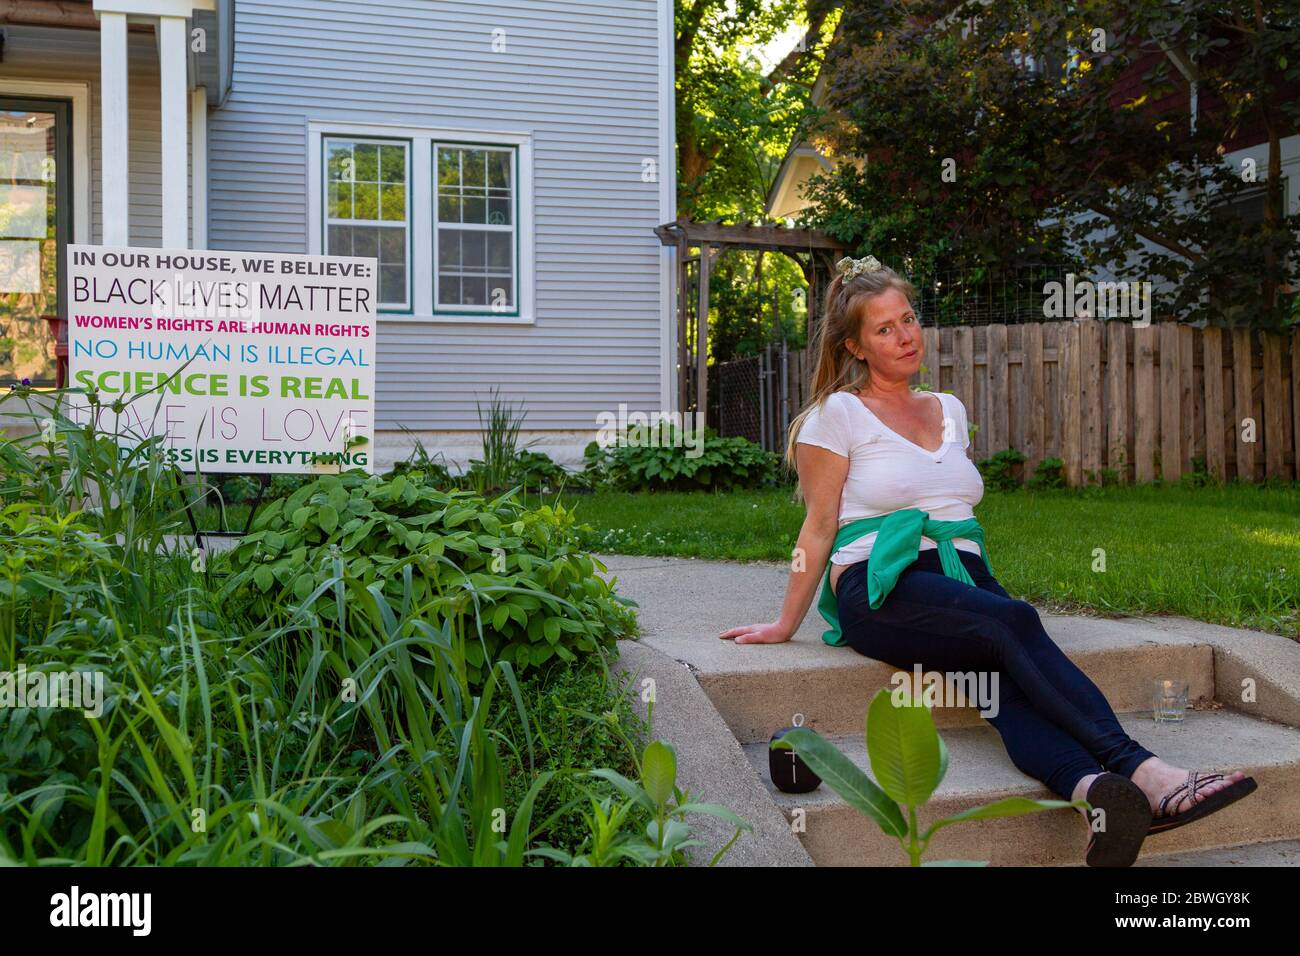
821,478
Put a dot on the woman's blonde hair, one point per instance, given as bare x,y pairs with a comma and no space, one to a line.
837,368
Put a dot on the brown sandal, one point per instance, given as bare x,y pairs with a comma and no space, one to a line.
1164,820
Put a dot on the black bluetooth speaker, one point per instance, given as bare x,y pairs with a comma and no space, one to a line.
788,771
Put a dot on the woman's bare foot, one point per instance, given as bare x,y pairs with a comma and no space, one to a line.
1157,779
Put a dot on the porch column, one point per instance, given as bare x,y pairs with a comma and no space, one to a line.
199,167
171,22
174,79
114,187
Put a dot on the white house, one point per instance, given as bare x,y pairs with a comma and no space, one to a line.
506,161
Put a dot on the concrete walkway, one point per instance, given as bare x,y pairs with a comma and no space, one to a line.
718,703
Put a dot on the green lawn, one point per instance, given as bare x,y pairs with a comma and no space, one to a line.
1229,555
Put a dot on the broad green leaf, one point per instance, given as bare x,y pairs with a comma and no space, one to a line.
500,615
327,518
1008,807
551,629
844,777
903,746
659,770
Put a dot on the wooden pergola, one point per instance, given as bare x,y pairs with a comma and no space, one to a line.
815,252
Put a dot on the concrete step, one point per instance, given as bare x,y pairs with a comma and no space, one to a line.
980,772
832,686
1271,853
759,688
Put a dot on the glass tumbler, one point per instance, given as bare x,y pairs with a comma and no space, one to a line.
1169,700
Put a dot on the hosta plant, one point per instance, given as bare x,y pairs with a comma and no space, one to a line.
646,459
516,572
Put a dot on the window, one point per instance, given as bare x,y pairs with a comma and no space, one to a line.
1247,207
35,227
367,210
1241,219
447,212
474,229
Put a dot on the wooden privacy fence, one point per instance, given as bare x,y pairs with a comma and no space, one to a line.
1141,401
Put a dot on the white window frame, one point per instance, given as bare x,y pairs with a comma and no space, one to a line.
405,307
420,198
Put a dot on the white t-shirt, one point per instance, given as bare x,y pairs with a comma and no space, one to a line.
889,473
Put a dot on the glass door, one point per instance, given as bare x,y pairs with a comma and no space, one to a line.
35,228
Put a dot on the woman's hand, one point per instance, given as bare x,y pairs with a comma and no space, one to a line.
773,633
822,474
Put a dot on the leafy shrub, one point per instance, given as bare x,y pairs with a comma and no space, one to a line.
238,489
433,469
537,472
1049,473
517,572
211,714
664,465
1199,476
1101,477
283,485
1001,472
53,570
531,470
596,463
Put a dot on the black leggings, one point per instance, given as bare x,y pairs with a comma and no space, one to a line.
1054,722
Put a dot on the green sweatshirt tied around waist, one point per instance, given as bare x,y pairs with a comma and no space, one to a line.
896,546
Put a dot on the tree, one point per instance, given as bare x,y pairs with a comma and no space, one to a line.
1244,57
734,120
976,163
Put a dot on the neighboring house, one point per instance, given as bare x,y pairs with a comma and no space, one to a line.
803,160
788,196
508,152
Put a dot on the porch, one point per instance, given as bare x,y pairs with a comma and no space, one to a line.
103,139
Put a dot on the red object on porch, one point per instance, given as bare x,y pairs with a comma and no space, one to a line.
60,329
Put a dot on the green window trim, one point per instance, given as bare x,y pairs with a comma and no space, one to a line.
486,312
61,108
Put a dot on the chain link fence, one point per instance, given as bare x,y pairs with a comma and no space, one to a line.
1013,297
754,397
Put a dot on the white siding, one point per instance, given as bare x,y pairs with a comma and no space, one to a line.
580,77
39,53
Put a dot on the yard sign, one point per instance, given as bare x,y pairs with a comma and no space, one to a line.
257,362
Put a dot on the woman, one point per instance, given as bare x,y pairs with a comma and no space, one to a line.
890,497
